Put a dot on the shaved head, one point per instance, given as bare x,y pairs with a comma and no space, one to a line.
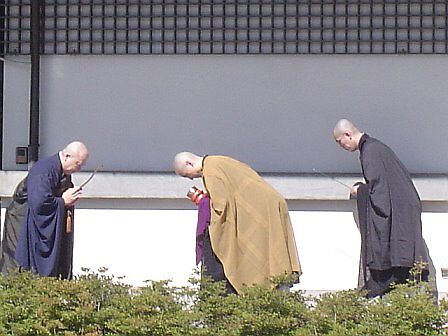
343,126
187,164
76,148
73,157
347,135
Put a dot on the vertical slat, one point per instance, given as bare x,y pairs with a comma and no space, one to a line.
409,28
260,25
67,27
20,21
235,28
175,26
6,21
309,27
334,28
396,27
358,40
371,27
322,27
127,42
212,27
199,27
224,28
433,27
421,27
446,27
79,28
346,27
272,26
151,28
103,27
163,25
55,27
139,26
188,27
284,26
114,25
42,28
384,28
91,28
297,27
248,27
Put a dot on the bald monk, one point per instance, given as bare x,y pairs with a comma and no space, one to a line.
14,218
250,230
389,211
45,244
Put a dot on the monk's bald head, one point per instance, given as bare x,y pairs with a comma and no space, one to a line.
343,126
76,148
73,157
347,135
187,164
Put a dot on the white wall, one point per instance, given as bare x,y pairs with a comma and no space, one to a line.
274,112
159,244
139,244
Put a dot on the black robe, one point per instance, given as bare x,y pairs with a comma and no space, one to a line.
389,211
14,216
45,244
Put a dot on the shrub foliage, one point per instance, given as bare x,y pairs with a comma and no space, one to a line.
96,304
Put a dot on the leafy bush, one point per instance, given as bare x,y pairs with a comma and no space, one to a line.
95,304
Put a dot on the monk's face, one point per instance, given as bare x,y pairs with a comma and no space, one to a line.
346,141
72,163
191,172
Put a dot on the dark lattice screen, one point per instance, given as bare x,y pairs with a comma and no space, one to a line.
230,27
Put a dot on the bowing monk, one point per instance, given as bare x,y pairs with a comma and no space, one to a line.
45,244
250,230
389,210
14,220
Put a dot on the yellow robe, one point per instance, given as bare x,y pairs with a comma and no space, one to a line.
250,229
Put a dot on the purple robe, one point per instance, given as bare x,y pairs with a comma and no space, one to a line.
44,246
203,222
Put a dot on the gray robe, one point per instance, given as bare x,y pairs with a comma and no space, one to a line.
14,216
389,211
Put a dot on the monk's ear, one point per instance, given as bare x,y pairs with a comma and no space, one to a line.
67,156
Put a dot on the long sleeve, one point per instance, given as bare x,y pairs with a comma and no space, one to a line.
376,178
218,194
202,225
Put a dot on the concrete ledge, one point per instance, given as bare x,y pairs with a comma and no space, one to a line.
127,185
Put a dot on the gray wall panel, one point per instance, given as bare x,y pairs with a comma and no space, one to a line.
274,112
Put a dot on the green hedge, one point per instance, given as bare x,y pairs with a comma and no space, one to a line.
98,304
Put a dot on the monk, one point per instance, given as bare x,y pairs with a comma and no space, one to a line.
389,211
45,244
14,215
14,220
250,230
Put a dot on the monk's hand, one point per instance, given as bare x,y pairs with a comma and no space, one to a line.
71,195
354,190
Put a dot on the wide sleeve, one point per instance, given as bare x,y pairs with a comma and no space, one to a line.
376,176
203,216
218,194
42,202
